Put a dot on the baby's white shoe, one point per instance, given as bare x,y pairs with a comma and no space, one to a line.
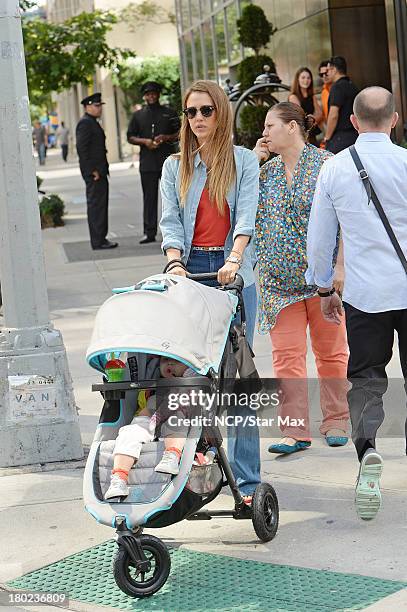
118,487
169,463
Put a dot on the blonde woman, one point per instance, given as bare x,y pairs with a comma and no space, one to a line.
209,197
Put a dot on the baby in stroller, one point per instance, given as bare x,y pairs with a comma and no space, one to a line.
142,430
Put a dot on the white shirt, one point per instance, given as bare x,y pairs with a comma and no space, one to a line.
375,280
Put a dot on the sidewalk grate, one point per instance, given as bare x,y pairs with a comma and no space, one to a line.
128,247
202,582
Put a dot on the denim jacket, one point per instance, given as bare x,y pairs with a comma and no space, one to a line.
177,223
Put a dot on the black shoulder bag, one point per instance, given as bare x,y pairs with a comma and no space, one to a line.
371,194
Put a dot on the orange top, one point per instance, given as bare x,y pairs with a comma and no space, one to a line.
324,99
211,228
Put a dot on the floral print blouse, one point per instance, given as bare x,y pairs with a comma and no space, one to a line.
281,232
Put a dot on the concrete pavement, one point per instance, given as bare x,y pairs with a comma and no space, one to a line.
41,506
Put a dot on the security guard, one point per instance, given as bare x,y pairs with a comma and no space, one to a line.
155,128
91,148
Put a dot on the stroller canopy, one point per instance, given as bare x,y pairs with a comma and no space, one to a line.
165,315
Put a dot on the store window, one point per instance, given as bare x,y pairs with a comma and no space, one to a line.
235,53
208,49
185,16
188,57
195,12
220,39
200,71
206,8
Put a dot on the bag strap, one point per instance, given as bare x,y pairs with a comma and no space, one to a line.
371,194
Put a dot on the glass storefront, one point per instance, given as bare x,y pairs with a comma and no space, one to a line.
208,38
308,31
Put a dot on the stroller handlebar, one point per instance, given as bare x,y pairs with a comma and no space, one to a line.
203,276
236,284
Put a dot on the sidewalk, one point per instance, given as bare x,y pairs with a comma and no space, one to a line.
41,506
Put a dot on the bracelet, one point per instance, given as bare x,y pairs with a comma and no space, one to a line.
235,260
176,262
326,293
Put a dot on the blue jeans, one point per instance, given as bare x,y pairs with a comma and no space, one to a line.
42,152
243,442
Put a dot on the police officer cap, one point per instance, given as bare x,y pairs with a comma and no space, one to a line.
151,86
94,98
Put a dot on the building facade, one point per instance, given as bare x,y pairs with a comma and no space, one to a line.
151,39
371,34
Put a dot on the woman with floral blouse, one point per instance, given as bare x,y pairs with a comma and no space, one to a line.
288,306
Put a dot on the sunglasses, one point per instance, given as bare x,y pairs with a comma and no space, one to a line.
206,111
323,74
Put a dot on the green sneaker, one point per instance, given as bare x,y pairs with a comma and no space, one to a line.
368,498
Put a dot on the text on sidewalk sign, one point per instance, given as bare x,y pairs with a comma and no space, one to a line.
32,397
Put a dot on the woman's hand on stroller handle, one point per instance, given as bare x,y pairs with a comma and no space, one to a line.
227,273
237,283
178,271
175,266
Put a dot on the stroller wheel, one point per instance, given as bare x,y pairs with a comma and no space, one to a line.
265,513
136,583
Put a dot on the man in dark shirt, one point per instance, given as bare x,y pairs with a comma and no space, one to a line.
91,148
155,128
340,133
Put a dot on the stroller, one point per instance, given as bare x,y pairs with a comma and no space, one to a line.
173,316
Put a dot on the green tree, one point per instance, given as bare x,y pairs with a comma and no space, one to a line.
251,124
60,55
255,32
136,16
27,4
251,67
254,28
131,74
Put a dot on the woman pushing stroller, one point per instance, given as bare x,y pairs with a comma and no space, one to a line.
209,198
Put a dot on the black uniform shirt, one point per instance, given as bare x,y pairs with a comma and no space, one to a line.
149,122
91,146
342,94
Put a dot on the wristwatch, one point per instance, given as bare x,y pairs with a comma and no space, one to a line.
326,293
234,259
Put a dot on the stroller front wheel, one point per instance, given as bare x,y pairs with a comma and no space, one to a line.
135,582
265,512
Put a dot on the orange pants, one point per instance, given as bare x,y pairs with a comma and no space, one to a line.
330,348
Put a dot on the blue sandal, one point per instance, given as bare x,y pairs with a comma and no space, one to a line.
287,449
336,440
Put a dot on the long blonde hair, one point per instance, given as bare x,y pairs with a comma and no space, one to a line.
219,147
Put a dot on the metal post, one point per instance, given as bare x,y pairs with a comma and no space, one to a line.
38,416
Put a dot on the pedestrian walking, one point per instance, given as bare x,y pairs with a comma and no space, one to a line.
91,148
40,141
302,93
209,194
375,293
324,75
288,303
340,132
63,139
155,129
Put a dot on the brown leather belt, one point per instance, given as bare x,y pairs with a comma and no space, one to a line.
211,248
